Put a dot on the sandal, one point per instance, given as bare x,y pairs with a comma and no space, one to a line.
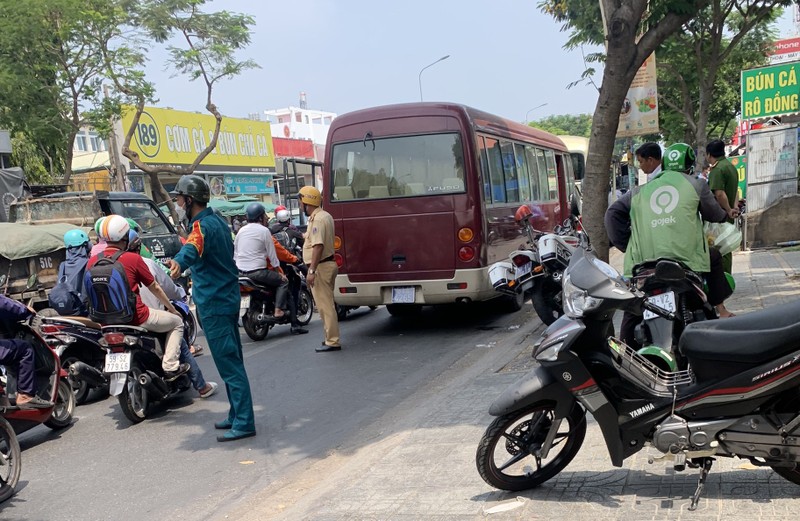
196,350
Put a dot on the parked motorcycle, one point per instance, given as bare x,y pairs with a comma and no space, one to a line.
132,366
258,304
77,340
737,395
537,269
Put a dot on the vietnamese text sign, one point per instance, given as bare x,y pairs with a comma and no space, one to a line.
173,137
770,91
249,184
740,164
639,114
787,50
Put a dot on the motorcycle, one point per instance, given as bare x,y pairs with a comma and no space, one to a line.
538,269
77,340
258,304
51,384
736,396
132,366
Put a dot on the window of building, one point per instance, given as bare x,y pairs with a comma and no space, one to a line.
96,144
80,142
298,116
327,120
283,119
317,121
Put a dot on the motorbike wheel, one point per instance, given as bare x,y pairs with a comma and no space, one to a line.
12,460
789,473
516,302
191,328
547,301
305,308
133,400
505,455
80,388
254,331
65,406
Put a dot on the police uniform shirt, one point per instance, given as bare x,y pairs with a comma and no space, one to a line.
320,231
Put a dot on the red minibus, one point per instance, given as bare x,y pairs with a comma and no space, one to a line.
423,197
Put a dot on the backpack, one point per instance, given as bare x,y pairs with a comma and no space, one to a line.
111,299
65,300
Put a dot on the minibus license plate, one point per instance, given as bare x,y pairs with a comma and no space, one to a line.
403,295
663,300
118,363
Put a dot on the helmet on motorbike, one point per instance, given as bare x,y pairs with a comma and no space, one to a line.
134,242
254,212
75,238
523,213
310,196
283,216
679,157
192,186
659,358
114,228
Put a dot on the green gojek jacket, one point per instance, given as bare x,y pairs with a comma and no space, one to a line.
665,223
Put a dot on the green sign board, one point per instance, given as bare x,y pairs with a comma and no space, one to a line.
770,91
740,163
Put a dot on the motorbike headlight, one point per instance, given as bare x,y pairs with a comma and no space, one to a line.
577,300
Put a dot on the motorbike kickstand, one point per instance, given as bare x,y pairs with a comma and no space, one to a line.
707,462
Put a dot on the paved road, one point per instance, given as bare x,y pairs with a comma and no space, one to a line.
307,406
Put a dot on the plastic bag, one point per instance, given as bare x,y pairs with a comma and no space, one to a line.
724,236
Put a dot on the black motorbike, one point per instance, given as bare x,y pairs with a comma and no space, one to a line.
78,341
258,304
736,396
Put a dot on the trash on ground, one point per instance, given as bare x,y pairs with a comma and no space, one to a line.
505,506
516,326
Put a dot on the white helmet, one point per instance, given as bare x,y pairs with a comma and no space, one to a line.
283,216
114,228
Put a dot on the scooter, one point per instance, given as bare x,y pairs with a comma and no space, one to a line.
77,340
51,384
735,397
258,304
132,366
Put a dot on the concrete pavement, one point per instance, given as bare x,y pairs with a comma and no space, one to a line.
421,464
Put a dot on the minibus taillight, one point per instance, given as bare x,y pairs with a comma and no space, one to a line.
466,253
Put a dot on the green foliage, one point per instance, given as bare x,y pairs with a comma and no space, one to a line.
566,124
27,155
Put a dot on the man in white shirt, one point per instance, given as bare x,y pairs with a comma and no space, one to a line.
649,157
255,256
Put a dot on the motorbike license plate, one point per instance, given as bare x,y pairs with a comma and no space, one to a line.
118,363
524,269
663,300
403,295
245,303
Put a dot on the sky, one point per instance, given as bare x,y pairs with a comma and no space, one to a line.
506,57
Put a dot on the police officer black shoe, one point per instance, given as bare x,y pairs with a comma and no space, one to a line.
324,348
297,330
172,375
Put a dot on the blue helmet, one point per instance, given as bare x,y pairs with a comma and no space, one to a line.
254,212
75,238
134,241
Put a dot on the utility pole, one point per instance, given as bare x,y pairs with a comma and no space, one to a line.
117,168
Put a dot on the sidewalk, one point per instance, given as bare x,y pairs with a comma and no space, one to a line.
422,463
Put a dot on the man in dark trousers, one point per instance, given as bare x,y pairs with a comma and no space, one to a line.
215,283
18,354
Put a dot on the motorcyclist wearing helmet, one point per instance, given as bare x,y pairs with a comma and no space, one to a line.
215,289
115,230
67,297
255,256
173,292
101,243
286,254
318,254
664,219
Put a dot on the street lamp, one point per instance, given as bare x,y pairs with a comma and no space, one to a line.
420,73
534,108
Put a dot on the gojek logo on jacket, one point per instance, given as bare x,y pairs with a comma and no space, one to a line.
662,202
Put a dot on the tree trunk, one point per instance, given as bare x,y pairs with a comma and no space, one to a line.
68,158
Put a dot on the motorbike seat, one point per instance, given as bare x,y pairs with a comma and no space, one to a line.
76,320
755,338
247,281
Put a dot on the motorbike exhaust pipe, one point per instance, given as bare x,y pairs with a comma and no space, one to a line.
86,373
154,385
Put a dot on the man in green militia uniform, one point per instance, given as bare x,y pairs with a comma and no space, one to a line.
215,282
723,180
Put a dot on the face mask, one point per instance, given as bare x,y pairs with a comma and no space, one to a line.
181,211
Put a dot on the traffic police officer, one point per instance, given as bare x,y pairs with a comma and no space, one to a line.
322,270
215,282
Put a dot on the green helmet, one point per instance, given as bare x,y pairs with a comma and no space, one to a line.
98,223
679,158
133,224
193,186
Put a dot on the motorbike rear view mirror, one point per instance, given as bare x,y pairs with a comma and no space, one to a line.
669,270
3,279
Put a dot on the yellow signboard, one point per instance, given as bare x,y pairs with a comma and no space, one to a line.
173,137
